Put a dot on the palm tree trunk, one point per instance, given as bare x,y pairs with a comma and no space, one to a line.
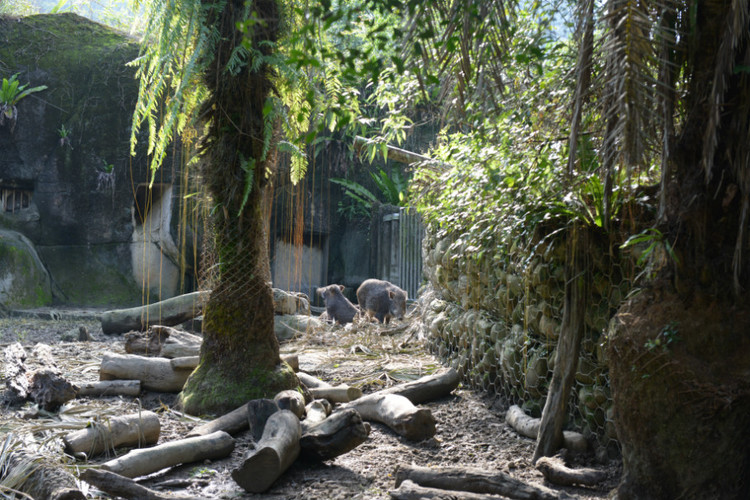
240,353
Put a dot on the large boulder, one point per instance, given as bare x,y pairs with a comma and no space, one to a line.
24,282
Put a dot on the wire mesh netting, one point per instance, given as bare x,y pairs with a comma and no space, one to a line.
496,319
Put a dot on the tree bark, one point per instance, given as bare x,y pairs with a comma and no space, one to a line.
167,312
473,480
120,486
550,436
148,460
155,374
109,388
398,413
275,452
338,434
136,430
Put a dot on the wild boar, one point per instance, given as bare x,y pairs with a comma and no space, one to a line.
381,299
338,307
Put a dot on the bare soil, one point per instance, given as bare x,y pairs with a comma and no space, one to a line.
471,429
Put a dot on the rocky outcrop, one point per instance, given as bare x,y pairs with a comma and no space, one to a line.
67,164
24,281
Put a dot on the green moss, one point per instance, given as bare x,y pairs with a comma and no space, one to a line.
214,389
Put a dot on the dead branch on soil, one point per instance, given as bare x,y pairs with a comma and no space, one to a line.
44,385
119,486
556,472
155,374
338,434
109,388
168,312
138,429
193,449
472,480
398,413
410,491
529,427
277,449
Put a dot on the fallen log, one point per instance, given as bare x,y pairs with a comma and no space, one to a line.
185,363
44,385
109,388
163,341
410,491
338,394
291,400
398,413
168,312
16,371
341,432
136,430
316,411
37,478
155,374
120,486
311,382
556,472
277,449
145,461
49,390
323,390
427,388
292,360
473,480
529,427
254,413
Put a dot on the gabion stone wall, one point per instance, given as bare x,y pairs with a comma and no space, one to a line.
496,318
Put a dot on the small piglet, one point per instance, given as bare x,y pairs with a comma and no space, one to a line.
338,307
382,299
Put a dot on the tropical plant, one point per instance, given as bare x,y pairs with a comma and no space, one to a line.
391,189
64,134
10,93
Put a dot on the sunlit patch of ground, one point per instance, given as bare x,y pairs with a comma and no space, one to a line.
470,429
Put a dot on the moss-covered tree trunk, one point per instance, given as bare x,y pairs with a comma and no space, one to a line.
240,353
679,351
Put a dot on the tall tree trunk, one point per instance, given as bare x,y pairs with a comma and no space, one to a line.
240,353
679,352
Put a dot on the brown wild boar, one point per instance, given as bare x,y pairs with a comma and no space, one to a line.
381,299
338,307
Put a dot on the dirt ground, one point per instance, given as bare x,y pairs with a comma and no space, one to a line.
471,429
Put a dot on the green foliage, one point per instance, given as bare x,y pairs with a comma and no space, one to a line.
177,48
17,8
665,338
361,199
392,190
10,93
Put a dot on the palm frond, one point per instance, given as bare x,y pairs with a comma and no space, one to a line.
463,43
735,32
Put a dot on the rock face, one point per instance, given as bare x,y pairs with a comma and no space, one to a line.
67,179
23,279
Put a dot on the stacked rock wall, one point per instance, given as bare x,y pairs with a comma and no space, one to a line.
495,316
